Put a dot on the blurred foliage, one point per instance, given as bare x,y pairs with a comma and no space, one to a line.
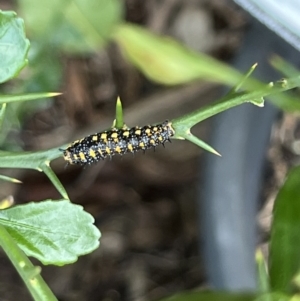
168,62
34,227
57,232
78,26
13,46
285,239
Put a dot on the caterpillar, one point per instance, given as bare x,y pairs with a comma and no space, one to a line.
99,146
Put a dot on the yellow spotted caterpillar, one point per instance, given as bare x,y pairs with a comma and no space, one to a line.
99,146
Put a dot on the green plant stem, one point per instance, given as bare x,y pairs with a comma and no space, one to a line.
36,285
34,160
183,124
54,179
222,105
30,160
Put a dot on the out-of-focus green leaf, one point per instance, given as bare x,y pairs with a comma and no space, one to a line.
274,296
284,259
284,67
13,45
73,25
296,281
46,68
55,232
286,102
295,298
166,61
26,97
12,115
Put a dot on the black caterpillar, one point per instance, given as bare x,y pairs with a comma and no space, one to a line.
99,146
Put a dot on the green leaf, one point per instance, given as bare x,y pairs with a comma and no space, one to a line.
296,280
34,160
55,232
166,61
274,296
284,259
46,69
13,45
286,102
76,26
295,298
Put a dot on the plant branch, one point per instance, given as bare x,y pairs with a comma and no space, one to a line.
30,274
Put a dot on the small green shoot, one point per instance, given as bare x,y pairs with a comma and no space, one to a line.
119,121
14,45
237,87
80,26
